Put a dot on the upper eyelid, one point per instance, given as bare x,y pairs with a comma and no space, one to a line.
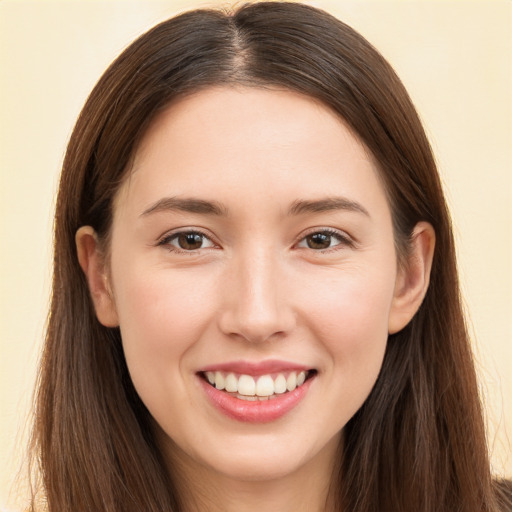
168,235
165,242
325,229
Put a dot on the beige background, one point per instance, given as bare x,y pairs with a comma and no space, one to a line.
455,57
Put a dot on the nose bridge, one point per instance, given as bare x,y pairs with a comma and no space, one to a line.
257,308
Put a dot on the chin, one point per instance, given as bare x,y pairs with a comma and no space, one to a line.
256,467
267,458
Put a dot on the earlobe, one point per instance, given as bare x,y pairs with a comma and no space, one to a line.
413,279
92,262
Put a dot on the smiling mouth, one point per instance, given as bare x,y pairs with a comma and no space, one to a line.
260,388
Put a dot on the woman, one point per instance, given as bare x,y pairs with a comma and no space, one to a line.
255,300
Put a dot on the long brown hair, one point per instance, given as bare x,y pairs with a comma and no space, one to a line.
418,442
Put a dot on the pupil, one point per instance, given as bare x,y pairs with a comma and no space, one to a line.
190,241
319,241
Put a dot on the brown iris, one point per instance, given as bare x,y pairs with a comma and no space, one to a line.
190,241
319,241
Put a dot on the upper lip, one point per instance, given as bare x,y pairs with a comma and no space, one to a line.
255,368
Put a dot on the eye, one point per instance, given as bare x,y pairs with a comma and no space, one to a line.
187,241
324,239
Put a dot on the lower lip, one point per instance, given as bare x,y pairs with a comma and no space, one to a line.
257,411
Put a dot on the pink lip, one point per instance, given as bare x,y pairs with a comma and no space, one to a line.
257,411
255,368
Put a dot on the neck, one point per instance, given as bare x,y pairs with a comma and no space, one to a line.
308,488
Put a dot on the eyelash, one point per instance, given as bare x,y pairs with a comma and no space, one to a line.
166,241
342,238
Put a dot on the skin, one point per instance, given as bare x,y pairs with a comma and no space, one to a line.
254,290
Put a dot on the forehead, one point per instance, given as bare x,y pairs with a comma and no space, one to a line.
267,142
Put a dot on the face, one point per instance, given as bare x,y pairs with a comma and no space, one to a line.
254,279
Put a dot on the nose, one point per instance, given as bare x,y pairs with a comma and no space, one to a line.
257,306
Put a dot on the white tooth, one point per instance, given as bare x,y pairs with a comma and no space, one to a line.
231,383
280,384
291,381
211,377
246,385
301,378
219,380
265,386
248,398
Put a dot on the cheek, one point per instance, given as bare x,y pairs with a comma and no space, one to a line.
165,302
350,319
349,305
161,317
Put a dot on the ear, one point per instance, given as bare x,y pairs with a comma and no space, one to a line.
92,262
413,278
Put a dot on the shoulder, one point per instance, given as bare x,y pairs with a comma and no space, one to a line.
503,490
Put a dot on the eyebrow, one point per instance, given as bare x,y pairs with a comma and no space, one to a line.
326,205
189,205
299,207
